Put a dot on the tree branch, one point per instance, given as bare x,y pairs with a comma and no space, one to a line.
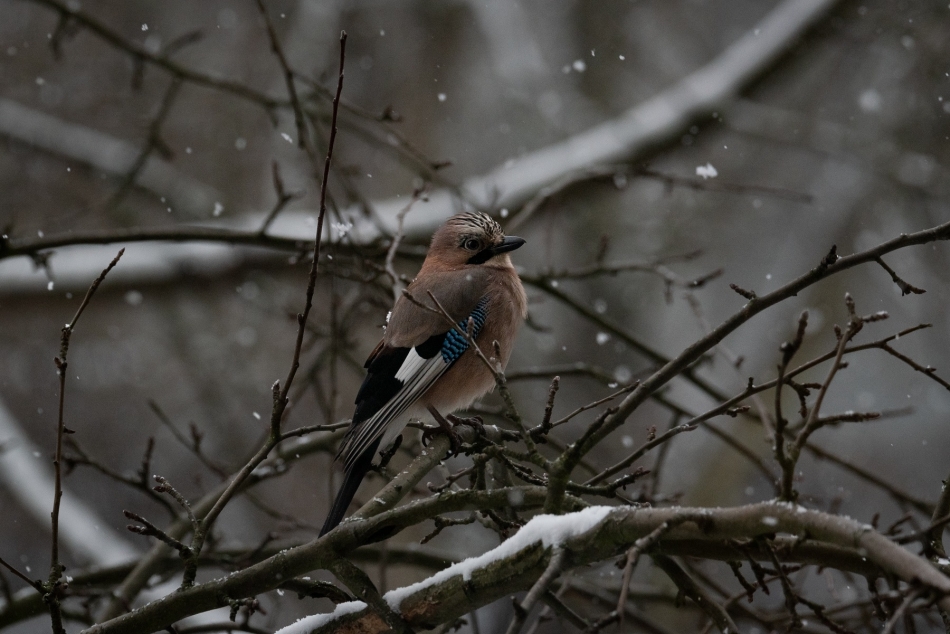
517,566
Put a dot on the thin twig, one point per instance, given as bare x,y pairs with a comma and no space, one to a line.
280,400
283,197
814,422
193,445
153,142
164,486
53,586
898,614
546,425
640,452
139,483
523,609
398,285
583,408
694,591
788,349
150,530
36,585
901,284
630,562
303,135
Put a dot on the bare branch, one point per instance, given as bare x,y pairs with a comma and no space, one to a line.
827,267
523,609
54,585
901,284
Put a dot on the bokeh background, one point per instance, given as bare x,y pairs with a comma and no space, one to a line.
844,139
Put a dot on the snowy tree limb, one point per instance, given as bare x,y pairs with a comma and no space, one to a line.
449,595
644,126
501,572
108,154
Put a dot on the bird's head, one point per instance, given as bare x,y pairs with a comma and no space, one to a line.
471,239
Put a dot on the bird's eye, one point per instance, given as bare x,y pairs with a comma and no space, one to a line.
472,244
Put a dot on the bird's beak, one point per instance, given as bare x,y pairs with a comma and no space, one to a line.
510,243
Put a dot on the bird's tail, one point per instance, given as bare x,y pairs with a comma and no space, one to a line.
351,482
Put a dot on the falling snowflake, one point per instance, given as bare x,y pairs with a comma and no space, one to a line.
342,228
706,171
623,374
870,100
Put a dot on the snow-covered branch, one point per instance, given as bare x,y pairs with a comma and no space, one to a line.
107,154
510,185
599,533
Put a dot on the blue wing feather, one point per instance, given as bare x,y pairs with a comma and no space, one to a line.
455,343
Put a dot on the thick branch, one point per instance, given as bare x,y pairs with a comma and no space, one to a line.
442,597
446,596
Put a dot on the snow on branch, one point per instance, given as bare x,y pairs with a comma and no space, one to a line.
108,154
598,533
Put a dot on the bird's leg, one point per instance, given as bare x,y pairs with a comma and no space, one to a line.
447,428
387,455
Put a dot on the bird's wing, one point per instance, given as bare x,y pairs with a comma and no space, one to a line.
398,376
457,292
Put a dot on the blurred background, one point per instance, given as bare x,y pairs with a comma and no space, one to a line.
841,139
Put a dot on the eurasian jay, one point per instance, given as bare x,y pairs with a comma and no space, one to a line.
422,364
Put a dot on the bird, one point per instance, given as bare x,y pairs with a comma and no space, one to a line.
423,364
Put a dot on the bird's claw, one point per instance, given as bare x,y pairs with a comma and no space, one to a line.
475,422
429,432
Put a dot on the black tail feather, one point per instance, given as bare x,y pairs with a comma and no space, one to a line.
351,482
